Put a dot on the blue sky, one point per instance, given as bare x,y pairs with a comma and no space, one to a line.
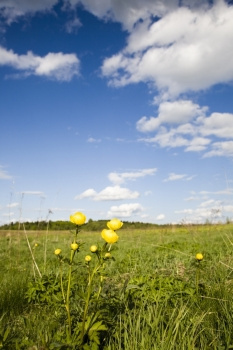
116,109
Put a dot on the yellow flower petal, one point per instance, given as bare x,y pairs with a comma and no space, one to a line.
93,248
109,236
74,246
78,218
114,224
57,251
87,258
199,256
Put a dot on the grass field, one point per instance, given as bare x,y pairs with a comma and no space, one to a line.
153,294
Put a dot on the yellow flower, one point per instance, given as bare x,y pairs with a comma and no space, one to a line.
36,244
87,258
74,246
78,218
93,248
57,251
114,224
107,255
109,236
199,256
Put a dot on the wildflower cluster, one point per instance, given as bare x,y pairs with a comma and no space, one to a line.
95,268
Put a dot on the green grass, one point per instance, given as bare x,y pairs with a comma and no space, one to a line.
150,297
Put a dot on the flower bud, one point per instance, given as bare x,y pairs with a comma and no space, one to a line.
107,255
74,246
199,256
93,248
57,251
87,258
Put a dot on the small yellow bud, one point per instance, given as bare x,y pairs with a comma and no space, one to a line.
93,248
107,255
87,258
199,256
36,244
74,246
57,251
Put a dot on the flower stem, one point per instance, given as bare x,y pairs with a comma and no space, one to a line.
68,292
197,277
89,290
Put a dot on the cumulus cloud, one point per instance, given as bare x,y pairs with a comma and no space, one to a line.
224,148
176,45
201,214
127,12
195,131
218,124
180,52
119,178
58,66
110,193
177,112
11,9
125,210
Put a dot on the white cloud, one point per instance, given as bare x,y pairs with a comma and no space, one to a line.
11,9
128,12
110,193
160,217
177,112
181,52
210,209
92,140
197,144
125,210
87,194
165,138
73,25
193,130
4,175
58,66
175,177
33,193
13,205
119,178
201,214
228,191
218,124
224,148
210,202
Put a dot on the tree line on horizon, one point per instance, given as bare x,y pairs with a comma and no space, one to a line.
59,225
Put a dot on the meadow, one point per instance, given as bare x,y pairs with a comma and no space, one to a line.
151,294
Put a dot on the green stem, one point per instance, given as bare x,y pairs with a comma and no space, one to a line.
197,277
89,290
62,287
68,292
100,287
